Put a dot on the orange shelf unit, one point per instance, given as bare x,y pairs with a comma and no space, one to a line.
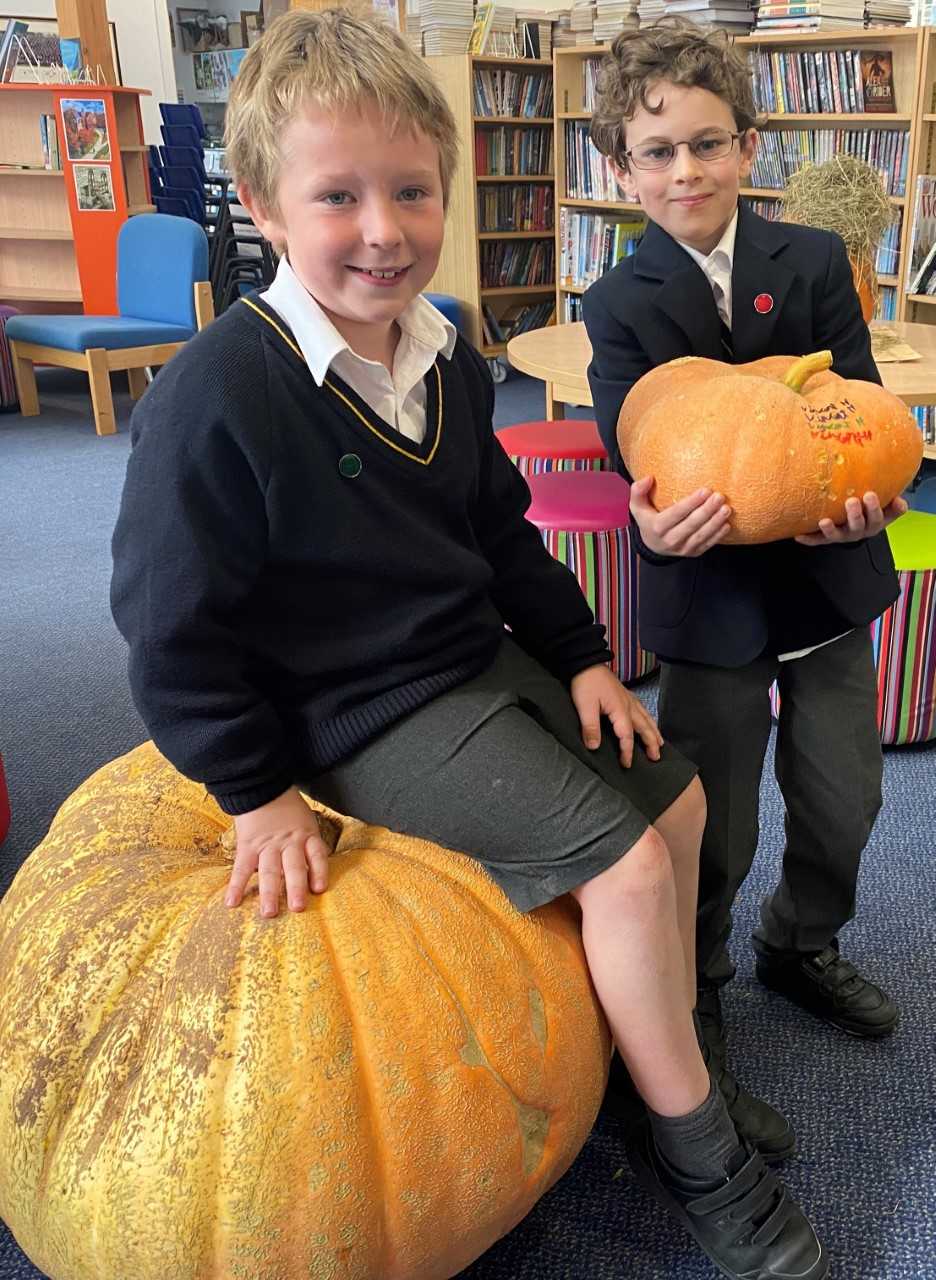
69,219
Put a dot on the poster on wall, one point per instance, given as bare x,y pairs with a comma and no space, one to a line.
93,188
84,123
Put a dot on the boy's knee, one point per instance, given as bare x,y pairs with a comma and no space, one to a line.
688,810
642,874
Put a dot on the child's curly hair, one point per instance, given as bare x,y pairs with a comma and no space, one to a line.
676,51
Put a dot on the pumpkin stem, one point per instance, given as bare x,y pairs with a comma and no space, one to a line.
805,367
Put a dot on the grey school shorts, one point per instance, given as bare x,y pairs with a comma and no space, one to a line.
497,769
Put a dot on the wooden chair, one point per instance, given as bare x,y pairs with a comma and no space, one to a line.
163,296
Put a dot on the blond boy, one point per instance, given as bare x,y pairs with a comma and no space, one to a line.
319,546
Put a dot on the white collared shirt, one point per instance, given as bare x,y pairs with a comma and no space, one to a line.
400,399
717,267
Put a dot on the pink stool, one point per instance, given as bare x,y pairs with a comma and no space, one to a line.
537,447
584,518
4,805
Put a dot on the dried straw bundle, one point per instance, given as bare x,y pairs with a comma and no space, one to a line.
846,195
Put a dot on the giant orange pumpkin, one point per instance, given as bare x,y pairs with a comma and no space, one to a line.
374,1089
785,440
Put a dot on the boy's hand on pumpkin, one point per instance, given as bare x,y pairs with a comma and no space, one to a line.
863,519
688,528
596,691
280,840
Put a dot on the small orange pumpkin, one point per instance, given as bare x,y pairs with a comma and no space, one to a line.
783,438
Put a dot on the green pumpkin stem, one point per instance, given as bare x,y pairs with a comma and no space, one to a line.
805,367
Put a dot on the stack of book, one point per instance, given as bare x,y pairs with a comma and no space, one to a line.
412,26
810,15
506,91
563,37
735,16
614,16
589,175
521,206
502,33
446,25
887,13
583,21
506,150
534,33
782,152
650,11
519,264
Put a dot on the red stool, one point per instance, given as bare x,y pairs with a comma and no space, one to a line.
584,517
4,805
537,447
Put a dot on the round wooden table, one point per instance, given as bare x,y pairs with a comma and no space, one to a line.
559,355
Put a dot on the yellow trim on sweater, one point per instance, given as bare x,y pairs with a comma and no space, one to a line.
357,413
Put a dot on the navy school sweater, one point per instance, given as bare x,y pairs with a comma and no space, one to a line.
292,575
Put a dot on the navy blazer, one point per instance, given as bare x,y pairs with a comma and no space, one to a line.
733,603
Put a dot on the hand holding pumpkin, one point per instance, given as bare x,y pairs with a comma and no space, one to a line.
785,440
687,528
863,519
280,840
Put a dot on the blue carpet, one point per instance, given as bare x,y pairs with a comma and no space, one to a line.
865,1114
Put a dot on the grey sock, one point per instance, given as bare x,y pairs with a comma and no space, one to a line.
696,1146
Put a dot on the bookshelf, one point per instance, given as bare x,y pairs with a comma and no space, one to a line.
500,219
55,253
890,136
921,308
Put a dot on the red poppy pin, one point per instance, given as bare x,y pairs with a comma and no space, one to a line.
763,304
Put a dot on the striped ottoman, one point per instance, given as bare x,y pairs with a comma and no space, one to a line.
904,638
585,522
537,447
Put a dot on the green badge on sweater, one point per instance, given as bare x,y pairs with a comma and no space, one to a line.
349,465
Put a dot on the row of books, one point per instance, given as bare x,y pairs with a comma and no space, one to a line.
833,80
922,227
570,308
796,15
588,174
886,307
506,150
592,243
926,417
887,260
519,317
781,152
48,135
736,16
499,91
517,262
522,206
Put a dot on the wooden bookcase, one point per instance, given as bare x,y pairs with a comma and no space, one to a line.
54,255
906,45
459,272
570,106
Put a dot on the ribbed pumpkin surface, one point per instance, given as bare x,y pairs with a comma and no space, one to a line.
376,1088
784,457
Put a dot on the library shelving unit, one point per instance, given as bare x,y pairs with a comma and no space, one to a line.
921,308
56,255
905,45
461,266
573,112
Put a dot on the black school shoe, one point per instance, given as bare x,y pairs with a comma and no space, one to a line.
748,1225
830,987
764,1128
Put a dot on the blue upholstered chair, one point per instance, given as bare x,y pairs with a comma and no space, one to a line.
163,297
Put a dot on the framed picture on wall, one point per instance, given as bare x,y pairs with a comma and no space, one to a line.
202,31
251,27
84,123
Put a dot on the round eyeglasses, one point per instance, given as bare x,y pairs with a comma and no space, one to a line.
714,144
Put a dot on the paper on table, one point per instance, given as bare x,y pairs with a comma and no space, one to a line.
888,348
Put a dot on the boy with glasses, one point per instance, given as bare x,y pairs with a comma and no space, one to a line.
675,114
